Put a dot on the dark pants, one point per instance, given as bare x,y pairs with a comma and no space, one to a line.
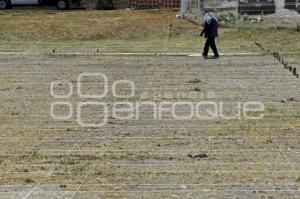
210,42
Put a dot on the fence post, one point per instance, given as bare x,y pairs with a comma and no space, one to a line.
183,8
276,14
236,14
201,5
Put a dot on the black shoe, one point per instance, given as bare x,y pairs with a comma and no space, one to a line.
203,55
216,56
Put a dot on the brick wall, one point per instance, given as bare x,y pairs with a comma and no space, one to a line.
148,4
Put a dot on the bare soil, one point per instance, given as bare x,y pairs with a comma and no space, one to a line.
45,158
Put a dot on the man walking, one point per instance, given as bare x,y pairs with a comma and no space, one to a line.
210,32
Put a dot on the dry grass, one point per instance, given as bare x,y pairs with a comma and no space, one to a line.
239,152
127,31
25,89
91,25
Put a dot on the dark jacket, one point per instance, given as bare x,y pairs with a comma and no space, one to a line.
211,29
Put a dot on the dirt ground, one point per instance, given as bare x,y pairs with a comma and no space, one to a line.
147,157
144,157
